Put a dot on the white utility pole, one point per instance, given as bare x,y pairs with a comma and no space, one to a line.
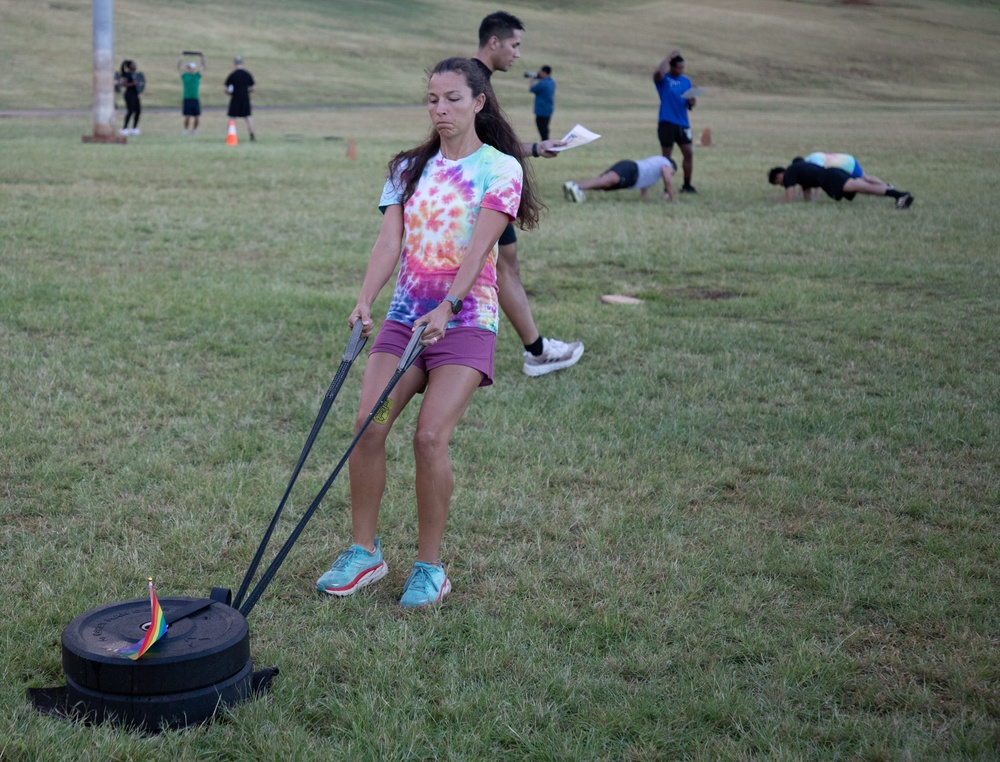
104,78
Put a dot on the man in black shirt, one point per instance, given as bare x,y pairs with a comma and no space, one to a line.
239,85
836,183
499,47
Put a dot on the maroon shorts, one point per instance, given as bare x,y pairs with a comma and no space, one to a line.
471,347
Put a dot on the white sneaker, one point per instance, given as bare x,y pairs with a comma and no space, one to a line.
573,192
555,355
185,132
136,131
194,132
124,131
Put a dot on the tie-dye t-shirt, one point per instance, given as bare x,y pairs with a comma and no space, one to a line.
437,229
842,161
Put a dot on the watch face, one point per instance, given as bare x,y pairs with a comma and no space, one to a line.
456,304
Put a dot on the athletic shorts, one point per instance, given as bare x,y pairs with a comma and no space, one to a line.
192,107
670,133
833,184
472,347
628,171
508,235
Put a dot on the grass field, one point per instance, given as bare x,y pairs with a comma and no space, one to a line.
757,521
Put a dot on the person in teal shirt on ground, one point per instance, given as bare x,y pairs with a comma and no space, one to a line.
191,80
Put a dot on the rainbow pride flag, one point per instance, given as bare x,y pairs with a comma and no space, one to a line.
157,627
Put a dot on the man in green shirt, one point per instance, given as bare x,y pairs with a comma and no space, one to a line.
191,80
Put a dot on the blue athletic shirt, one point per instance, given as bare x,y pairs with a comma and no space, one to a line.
545,96
673,108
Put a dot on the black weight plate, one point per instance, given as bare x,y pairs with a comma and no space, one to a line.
203,649
173,710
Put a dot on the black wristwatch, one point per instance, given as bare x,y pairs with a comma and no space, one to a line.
456,304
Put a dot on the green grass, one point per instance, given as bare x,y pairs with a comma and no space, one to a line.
757,521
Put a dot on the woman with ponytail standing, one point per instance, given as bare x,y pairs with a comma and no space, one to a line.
445,204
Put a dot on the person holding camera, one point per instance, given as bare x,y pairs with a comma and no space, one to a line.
674,125
544,89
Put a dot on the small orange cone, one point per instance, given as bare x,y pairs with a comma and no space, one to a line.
706,137
231,139
352,149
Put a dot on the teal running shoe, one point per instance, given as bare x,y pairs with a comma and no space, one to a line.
426,584
353,569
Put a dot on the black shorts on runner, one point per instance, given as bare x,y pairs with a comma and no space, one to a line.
508,236
628,171
670,133
192,107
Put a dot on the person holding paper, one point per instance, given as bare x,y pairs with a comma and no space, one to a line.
638,175
675,102
499,48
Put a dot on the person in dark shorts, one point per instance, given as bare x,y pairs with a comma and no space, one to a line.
239,85
499,48
837,183
638,175
191,83
674,126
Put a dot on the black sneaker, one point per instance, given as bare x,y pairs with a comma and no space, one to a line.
688,188
905,201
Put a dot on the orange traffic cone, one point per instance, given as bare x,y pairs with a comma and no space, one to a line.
706,137
352,149
231,139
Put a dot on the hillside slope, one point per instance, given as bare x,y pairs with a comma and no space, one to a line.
311,52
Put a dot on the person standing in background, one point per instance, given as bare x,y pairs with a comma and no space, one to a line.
544,89
674,125
129,80
191,81
239,85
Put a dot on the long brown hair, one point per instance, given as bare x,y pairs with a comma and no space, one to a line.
492,127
